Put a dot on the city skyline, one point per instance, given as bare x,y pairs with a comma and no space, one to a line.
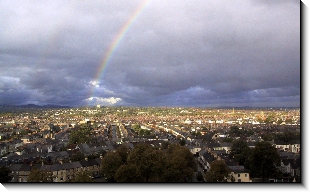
150,53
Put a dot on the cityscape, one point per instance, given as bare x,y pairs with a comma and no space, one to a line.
150,144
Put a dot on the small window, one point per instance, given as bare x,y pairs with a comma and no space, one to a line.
238,175
245,175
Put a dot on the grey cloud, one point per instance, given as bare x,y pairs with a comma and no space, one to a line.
174,53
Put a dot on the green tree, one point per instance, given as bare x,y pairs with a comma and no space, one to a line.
81,134
240,151
143,157
235,131
165,145
182,142
287,136
37,175
218,172
264,161
128,173
267,137
141,132
110,163
82,176
123,151
77,156
228,140
180,166
199,177
5,175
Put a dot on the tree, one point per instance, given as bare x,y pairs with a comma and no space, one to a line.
287,136
165,144
180,166
37,175
218,172
264,161
5,175
122,150
77,156
81,134
240,151
182,142
110,163
143,157
199,177
267,136
228,140
128,173
82,176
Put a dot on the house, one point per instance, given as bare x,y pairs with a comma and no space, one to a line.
240,174
221,146
205,158
193,149
3,149
281,145
295,146
20,172
290,167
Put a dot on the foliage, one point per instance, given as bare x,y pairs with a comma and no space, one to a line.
180,165
218,172
228,140
182,142
235,131
5,175
82,176
267,137
81,134
37,175
143,157
146,163
287,136
123,153
128,173
165,144
144,132
77,156
199,177
136,127
240,151
263,161
110,163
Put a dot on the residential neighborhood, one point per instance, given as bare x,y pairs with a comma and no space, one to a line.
50,139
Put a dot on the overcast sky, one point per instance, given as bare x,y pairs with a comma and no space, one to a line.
202,53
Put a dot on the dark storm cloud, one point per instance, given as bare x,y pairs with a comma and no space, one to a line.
201,53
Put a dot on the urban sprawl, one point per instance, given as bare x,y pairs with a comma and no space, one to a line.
150,144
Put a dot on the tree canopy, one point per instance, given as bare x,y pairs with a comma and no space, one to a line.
82,176
110,163
37,175
81,134
149,164
5,175
218,172
263,161
240,151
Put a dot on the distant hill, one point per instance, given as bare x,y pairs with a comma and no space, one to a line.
9,108
42,106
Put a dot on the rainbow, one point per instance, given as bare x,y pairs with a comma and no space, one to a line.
114,44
